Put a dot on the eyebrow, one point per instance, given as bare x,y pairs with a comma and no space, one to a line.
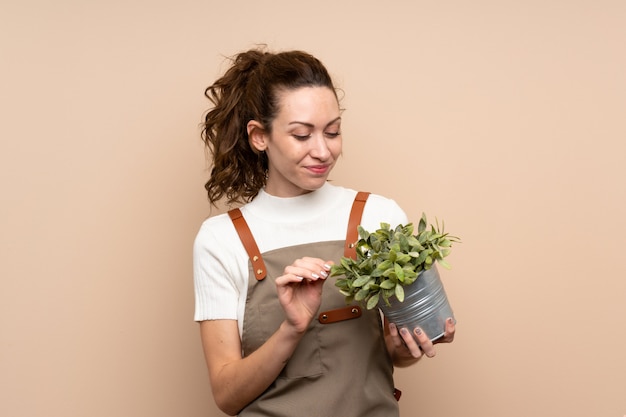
312,125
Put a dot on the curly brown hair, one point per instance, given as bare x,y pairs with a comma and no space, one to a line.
249,91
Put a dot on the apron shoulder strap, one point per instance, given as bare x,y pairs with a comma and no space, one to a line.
243,230
352,235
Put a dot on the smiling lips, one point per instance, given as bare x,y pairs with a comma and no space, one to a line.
318,169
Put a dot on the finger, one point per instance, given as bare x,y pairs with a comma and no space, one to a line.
287,279
315,263
450,330
309,268
305,273
395,336
410,343
448,335
425,343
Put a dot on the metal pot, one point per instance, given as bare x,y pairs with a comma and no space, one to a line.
425,305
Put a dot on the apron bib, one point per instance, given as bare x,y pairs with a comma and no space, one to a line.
340,367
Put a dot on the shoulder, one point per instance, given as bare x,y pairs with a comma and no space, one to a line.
219,225
217,237
380,209
377,209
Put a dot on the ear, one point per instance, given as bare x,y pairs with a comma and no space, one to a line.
257,136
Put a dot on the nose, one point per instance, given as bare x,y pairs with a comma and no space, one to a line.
319,148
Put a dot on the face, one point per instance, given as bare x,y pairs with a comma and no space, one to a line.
305,142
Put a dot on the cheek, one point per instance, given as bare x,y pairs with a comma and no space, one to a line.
336,147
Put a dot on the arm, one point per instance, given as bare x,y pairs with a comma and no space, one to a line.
237,381
405,350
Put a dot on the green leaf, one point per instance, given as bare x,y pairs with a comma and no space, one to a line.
399,293
371,285
336,271
404,243
399,272
424,237
423,255
409,273
412,241
403,258
444,263
361,294
346,263
366,266
346,293
384,265
361,280
410,280
422,224
373,301
387,284
342,284
364,234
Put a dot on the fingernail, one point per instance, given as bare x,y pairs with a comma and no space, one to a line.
404,330
324,274
450,321
315,276
327,267
392,326
418,331
299,278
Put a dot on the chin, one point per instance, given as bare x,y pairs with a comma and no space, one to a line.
315,185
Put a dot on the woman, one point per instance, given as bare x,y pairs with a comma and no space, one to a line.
279,340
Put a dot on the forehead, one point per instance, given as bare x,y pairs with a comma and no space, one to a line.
307,104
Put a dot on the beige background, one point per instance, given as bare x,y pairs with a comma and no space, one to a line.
505,118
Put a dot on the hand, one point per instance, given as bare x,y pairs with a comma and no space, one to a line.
300,290
407,348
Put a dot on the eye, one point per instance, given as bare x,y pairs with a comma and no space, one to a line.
332,134
301,137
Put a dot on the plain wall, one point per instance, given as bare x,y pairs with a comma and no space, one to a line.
506,119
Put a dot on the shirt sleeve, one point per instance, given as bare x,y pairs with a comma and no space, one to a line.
217,277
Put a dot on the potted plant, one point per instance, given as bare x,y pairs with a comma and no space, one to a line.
395,270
